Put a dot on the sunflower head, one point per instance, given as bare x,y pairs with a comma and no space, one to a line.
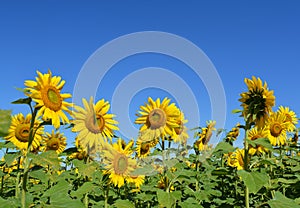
180,133
277,127
233,134
158,119
54,141
257,101
256,133
290,117
19,132
46,92
236,159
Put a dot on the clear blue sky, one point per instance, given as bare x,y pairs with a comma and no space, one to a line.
241,39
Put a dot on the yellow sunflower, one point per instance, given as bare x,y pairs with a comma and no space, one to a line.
81,152
94,124
158,118
236,159
180,134
54,141
256,133
291,117
136,180
143,149
277,127
117,162
45,91
19,129
233,134
257,102
204,136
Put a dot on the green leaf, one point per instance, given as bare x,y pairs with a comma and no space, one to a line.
236,111
39,174
224,147
87,187
190,203
5,120
171,163
123,204
262,142
253,180
280,201
165,199
11,157
147,170
46,159
22,101
85,169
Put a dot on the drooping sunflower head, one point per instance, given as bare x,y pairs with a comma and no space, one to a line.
233,134
180,133
277,127
257,102
290,117
94,124
46,92
256,133
236,159
54,141
157,118
19,130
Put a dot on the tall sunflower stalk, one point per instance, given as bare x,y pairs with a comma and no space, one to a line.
257,105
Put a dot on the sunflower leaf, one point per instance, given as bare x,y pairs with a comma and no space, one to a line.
123,204
5,120
22,101
253,180
280,201
236,111
45,159
224,147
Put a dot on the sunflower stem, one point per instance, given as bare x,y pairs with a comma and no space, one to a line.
246,165
106,197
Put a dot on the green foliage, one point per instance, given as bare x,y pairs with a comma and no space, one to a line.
5,120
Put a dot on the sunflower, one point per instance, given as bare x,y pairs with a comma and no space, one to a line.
277,127
54,141
291,117
94,124
19,129
204,136
180,133
256,133
257,102
143,149
233,134
81,152
45,91
158,118
117,162
136,180
236,159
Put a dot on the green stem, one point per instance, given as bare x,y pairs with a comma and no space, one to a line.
106,197
246,165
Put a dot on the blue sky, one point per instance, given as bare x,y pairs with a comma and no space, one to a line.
240,38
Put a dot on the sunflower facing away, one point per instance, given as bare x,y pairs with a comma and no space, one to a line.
54,141
233,134
236,159
204,136
257,102
157,119
45,91
119,165
93,124
180,134
291,117
19,129
256,133
277,127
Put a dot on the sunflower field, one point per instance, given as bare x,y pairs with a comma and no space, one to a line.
161,167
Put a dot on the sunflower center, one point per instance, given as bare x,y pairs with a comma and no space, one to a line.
95,124
121,164
157,118
51,98
53,144
145,148
288,118
276,129
22,132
